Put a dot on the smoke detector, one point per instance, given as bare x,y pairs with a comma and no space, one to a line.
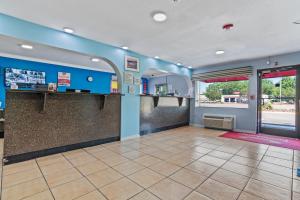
228,26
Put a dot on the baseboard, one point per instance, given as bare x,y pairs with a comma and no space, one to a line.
130,137
244,131
235,130
36,154
197,125
155,130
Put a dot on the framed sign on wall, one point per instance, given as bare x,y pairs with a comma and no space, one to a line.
137,81
128,78
131,89
132,64
64,79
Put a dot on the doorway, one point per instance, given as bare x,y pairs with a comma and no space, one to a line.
278,101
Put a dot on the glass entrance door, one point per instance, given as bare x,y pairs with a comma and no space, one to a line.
278,102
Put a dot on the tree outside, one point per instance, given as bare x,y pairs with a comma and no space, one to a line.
214,91
273,90
278,106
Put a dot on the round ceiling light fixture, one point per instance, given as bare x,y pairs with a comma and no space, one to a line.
26,46
190,67
156,57
228,26
159,16
124,47
95,59
220,52
179,64
68,30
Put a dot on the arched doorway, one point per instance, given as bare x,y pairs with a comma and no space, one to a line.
83,105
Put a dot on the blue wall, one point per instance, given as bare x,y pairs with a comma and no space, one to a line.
100,85
130,116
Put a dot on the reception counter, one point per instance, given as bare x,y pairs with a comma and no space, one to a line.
163,113
41,123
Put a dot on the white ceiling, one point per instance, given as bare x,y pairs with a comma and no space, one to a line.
191,35
10,47
151,73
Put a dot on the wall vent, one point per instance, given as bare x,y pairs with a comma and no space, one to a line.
223,122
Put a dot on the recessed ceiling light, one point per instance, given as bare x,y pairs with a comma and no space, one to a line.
220,52
297,22
95,59
190,67
156,57
26,46
159,16
124,47
68,30
179,64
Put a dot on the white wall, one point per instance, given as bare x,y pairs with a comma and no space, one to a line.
246,117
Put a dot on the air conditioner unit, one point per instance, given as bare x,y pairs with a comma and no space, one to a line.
223,122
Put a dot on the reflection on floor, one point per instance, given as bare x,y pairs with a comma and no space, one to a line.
185,163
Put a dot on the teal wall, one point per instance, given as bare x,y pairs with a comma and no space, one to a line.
20,29
100,85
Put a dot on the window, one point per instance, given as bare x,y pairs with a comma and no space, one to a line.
161,89
222,94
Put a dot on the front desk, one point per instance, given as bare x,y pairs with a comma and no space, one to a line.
163,113
42,123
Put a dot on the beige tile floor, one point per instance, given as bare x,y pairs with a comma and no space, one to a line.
185,163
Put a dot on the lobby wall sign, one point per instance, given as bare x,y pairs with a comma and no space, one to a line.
52,87
137,81
128,78
132,64
131,89
64,79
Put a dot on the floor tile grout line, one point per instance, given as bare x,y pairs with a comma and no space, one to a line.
36,179
142,192
25,181
268,182
278,164
164,160
83,176
112,168
44,178
195,190
123,176
165,177
252,175
145,167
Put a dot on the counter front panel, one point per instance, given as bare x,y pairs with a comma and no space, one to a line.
167,114
33,123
